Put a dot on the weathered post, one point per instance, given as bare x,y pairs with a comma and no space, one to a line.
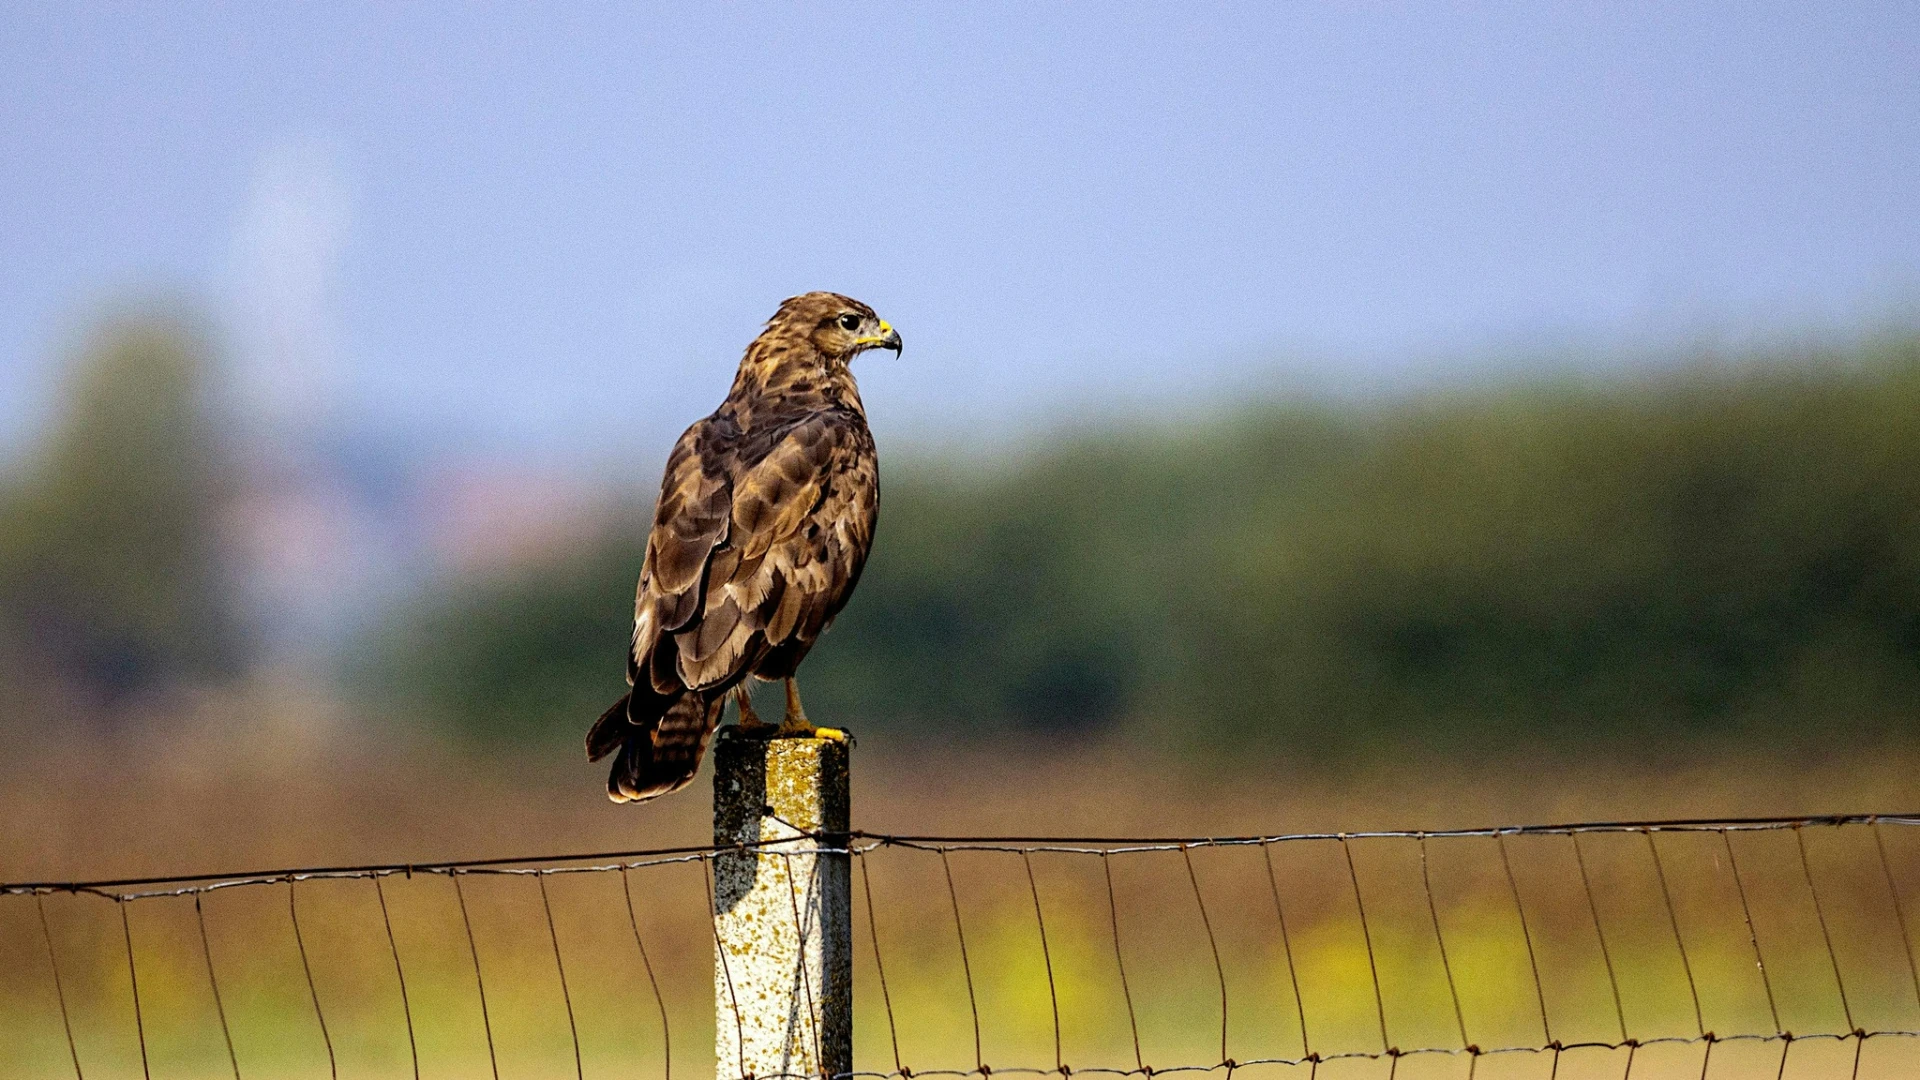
783,924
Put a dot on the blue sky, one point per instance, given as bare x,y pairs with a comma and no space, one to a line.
552,228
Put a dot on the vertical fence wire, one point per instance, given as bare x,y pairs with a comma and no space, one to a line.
1600,935
1526,935
1899,909
1679,943
966,964
1753,939
399,974
133,980
1046,957
313,991
646,962
1213,946
1366,935
479,980
560,966
1439,939
880,967
1286,947
213,984
1120,962
1826,936
59,990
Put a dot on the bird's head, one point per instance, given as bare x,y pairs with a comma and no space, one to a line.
838,326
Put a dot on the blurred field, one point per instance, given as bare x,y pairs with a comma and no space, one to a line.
237,787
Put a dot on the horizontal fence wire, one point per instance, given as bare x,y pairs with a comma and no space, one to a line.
1678,947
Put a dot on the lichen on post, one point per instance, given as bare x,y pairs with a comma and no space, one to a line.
783,964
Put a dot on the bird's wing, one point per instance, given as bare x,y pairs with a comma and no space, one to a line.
690,519
817,567
770,567
764,575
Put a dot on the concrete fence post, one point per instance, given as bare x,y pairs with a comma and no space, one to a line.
783,917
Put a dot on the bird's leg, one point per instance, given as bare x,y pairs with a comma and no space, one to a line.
748,718
796,725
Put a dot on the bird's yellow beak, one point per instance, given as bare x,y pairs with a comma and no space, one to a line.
887,338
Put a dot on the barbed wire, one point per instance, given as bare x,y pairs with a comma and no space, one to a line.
863,846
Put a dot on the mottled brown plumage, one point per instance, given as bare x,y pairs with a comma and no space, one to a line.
764,521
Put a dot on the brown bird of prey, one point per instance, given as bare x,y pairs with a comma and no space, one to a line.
765,517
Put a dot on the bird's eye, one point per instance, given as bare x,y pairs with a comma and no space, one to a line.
849,322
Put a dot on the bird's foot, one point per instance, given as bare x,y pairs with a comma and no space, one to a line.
796,725
804,730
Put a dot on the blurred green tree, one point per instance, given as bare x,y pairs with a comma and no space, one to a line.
111,576
1728,550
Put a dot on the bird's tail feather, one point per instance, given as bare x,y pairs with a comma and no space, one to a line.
610,730
660,747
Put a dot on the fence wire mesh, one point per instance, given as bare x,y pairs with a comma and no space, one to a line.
1730,948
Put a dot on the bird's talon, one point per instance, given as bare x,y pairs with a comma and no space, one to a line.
796,731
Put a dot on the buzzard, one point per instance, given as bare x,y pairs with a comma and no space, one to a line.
765,517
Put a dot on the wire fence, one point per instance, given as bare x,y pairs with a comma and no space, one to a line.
1722,948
